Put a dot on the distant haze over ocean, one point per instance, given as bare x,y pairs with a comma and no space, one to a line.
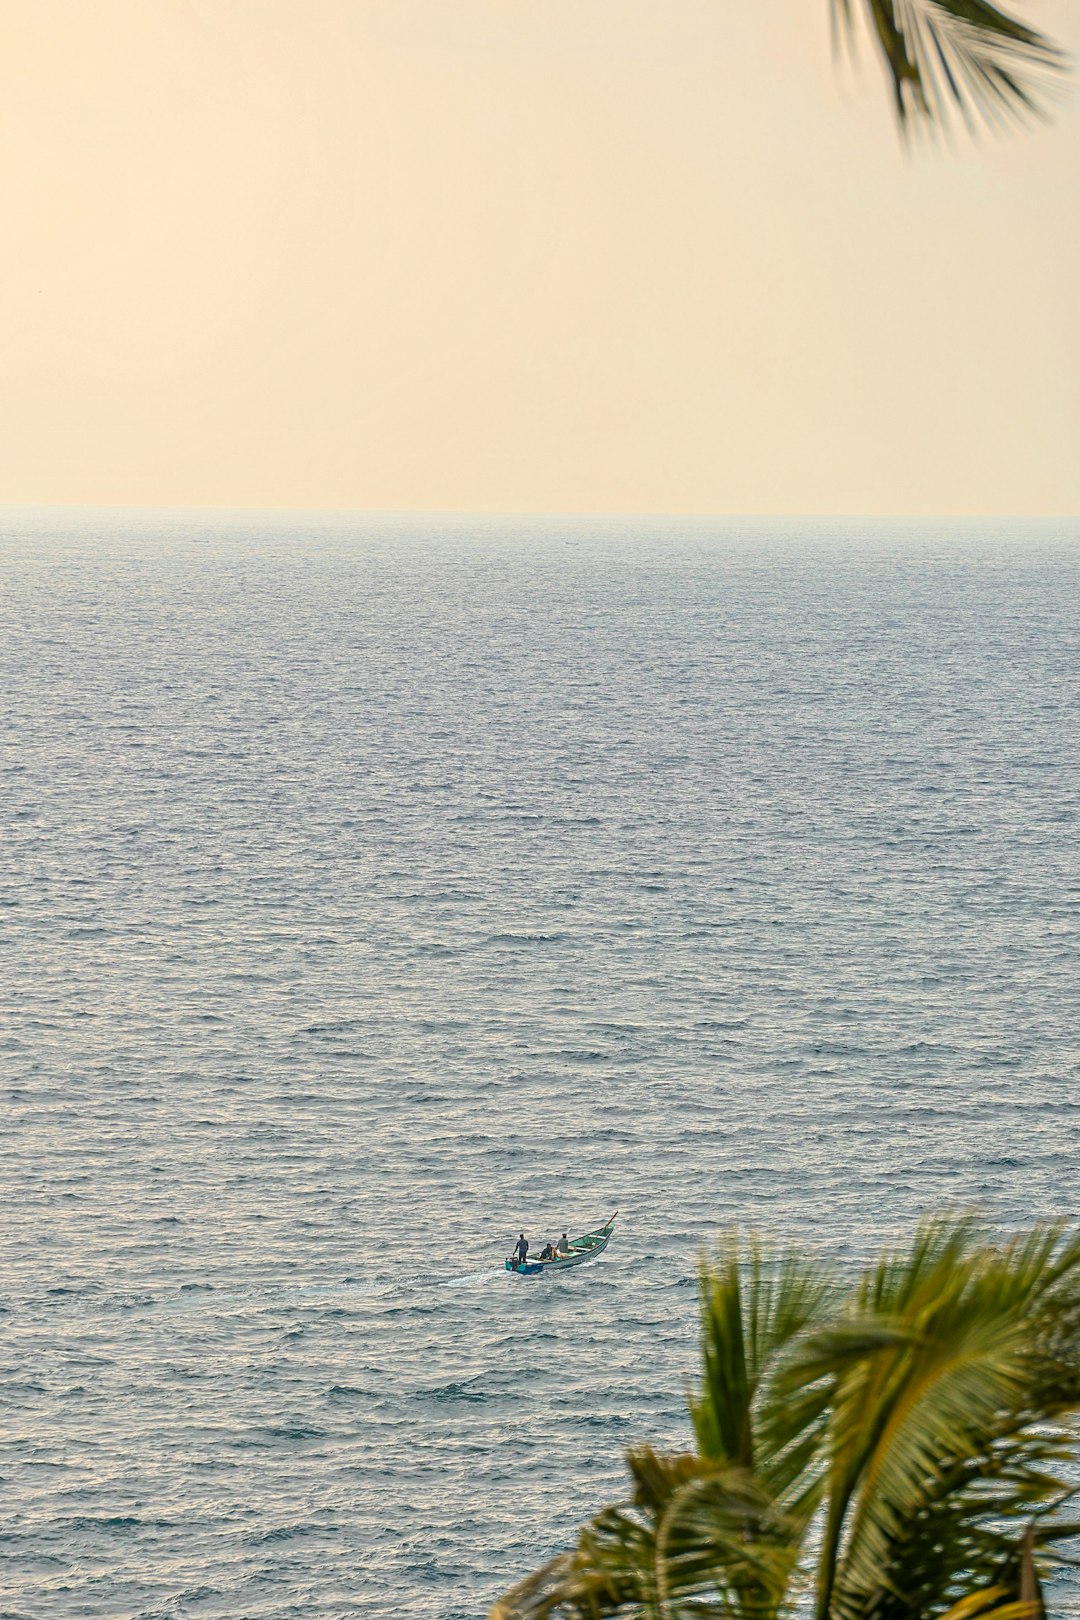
371,889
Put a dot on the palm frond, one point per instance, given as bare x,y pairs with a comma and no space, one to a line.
933,1432
951,1389
992,1603
757,1304
966,57
695,1537
533,1598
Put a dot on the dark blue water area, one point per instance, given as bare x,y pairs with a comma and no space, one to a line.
370,890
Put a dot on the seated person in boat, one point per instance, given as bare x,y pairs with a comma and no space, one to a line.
547,1252
563,1245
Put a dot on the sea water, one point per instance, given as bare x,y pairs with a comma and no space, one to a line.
372,891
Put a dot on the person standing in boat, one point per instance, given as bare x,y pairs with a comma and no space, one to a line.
521,1250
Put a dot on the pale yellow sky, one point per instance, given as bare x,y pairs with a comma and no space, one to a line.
508,255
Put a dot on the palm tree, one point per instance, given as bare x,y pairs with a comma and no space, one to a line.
961,56
886,1451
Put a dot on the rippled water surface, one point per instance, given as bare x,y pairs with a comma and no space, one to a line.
369,891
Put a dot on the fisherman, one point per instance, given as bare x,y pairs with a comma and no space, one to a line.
563,1245
521,1249
547,1252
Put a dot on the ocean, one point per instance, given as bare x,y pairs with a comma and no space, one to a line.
372,890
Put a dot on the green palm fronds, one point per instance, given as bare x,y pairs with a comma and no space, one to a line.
962,56
943,1397
892,1450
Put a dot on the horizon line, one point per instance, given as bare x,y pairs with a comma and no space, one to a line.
493,514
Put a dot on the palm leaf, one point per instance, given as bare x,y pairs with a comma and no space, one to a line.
932,1429
757,1305
992,1603
962,56
696,1537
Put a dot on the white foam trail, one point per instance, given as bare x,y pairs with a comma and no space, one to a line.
476,1280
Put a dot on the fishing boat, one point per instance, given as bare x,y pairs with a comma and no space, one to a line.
583,1248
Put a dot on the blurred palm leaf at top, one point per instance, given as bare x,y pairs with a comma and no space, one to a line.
966,57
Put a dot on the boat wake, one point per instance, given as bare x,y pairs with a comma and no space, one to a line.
476,1279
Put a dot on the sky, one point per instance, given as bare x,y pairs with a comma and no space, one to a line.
626,256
